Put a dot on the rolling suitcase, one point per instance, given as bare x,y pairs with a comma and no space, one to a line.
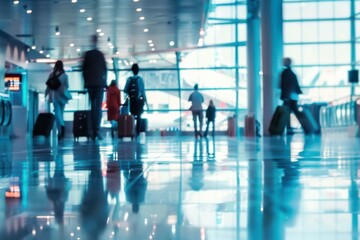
126,126
250,125
279,120
44,124
307,121
82,124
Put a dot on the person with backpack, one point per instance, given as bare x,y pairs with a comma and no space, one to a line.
57,93
135,89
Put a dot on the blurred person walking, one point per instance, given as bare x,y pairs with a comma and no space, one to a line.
94,73
196,99
135,89
57,92
113,102
290,89
210,115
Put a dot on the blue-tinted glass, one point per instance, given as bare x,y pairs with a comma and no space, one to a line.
209,57
342,53
242,57
309,31
326,54
223,12
242,12
309,10
208,78
292,11
242,32
218,34
292,32
342,30
326,31
357,28
342,9
310,54
294,52
326,9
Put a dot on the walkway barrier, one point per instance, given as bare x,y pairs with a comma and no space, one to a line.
341,114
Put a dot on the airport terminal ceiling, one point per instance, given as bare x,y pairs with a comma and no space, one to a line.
123,24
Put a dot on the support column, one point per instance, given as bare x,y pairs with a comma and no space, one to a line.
178,59
352,43
272,45
253,59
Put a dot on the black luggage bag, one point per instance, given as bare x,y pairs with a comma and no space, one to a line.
82,124
307,121
44,124
279,120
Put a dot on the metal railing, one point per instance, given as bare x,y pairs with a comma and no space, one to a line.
340,113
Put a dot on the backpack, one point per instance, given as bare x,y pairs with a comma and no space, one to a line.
53,82
133,89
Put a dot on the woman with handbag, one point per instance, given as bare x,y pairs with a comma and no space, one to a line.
58,96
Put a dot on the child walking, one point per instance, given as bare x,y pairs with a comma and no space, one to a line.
113,103
210,115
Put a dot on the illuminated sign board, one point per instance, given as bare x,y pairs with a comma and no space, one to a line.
13,81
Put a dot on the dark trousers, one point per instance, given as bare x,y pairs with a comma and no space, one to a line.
96,96
198,114
136,109
207,127
293,105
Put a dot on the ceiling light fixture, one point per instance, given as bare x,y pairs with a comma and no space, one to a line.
72,44
89,19
146,30
74,1
149,41
101,34
142,18
47,55
138,9
151,44
16,2
82,10
98,30
78,50
153,49
136,0
171,43
29,11
33,47
202,32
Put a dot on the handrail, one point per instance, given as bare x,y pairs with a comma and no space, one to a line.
342,114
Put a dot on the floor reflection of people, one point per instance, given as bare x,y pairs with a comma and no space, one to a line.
281,199
197,171
135,181
210,150
113,178
57,190
94,206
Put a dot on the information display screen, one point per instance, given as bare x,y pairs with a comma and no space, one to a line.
13,81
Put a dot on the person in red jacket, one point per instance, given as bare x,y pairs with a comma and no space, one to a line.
113,103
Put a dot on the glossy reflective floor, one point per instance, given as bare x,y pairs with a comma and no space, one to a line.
181,188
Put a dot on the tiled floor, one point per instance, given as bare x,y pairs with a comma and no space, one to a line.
181,188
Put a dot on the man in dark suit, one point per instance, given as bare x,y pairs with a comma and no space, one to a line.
290,89
94,73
